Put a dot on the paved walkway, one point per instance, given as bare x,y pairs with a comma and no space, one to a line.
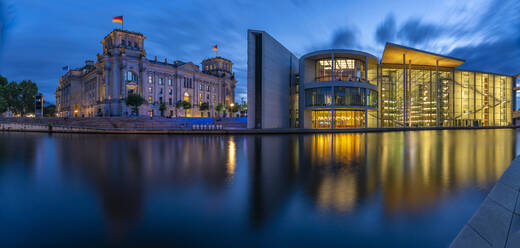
497,222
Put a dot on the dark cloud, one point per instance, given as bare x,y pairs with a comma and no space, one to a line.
386,31
345,38
501,56
499,50
414,32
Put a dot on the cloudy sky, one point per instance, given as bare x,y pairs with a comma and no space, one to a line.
40,37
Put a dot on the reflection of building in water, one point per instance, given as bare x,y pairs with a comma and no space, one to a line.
122,169
272,175
410,171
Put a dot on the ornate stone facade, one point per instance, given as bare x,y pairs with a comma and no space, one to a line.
99,88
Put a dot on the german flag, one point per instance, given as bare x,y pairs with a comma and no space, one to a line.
118,19
215,48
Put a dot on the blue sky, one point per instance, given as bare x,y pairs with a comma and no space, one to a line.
40,37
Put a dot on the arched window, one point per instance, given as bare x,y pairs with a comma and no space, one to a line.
131,76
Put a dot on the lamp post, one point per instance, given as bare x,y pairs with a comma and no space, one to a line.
231,105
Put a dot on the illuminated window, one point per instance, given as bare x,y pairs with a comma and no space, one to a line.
149,89
169,82
150,99
324,70
150,79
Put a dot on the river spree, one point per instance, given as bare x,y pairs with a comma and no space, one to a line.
405,189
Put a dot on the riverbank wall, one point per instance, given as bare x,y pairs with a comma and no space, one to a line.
33,127
497,222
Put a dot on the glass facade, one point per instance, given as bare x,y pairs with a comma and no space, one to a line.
342,118
324,70
349,119
349,70
407,95
344,70
318,97
349,96
321,119
464,98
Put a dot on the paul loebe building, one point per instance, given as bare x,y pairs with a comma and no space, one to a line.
340,88
99,88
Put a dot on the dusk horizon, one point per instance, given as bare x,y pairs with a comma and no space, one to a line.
38,39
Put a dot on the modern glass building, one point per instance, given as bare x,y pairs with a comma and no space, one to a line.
339,89
335,89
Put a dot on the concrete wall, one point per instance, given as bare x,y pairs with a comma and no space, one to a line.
277,70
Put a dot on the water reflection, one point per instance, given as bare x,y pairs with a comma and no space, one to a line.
249,185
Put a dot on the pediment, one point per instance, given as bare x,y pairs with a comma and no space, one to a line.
189,67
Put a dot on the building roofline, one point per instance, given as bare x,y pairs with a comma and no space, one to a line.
393,53
217,57
347,51
124,31
271,37
423,51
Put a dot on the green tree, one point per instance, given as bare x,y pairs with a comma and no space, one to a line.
178,105
234,108
162,108
3,97
134,100
204,106
220,108
28,89
186,105
49,110
13,98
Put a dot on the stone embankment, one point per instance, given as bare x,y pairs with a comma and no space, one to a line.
180,125
497,222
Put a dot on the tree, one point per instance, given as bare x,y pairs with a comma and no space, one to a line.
243,107
178,105
49,110
182,105
234,107
186,106
13,98
3,98
220,108
134,100
162,108
204,106
28,90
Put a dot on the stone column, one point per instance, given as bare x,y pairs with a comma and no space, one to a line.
114,93
106,105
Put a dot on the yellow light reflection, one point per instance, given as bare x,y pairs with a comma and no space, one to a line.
231,156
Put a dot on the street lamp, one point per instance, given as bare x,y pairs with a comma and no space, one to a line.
231,105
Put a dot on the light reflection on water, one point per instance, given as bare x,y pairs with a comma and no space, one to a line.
276,190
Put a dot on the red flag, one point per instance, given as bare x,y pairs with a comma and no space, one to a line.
215,48
118,19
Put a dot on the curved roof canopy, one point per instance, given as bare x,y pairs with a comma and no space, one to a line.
393,54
